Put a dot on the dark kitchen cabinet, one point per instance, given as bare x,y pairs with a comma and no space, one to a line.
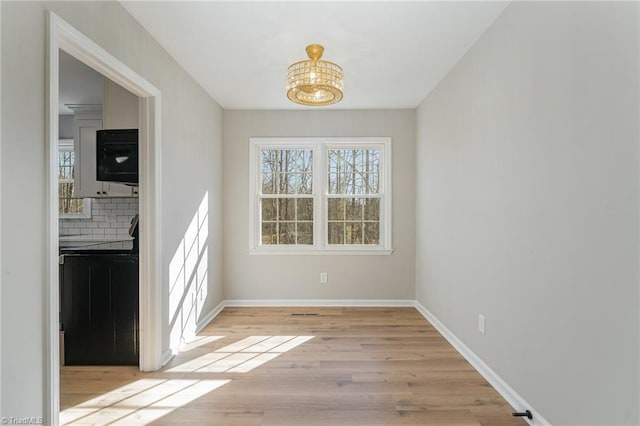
99,304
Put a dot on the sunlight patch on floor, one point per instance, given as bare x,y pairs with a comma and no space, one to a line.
138,403
242,356
198,341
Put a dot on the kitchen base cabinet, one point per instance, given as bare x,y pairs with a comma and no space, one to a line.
99,304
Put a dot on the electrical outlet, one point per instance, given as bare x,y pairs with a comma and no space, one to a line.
481,323
323,278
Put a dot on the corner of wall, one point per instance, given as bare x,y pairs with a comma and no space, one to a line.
499,384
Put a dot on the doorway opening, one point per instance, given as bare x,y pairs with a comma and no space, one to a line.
98,217
64,38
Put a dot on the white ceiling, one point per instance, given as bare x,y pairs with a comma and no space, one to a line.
393,53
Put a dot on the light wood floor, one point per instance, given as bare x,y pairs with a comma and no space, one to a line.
265,366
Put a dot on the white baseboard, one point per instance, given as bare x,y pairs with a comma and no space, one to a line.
205,320
506,391
510,395
200,325
166,357
319,303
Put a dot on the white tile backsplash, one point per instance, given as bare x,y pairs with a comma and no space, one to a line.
109,216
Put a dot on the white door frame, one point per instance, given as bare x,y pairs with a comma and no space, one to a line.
64,36
0,216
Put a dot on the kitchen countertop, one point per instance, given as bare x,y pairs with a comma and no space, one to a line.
86,239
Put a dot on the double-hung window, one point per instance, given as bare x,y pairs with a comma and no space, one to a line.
70,206
320,195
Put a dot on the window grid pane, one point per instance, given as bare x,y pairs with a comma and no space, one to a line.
68,202
354,171
286,171
333,187
353,220
65,165
353,206
286,220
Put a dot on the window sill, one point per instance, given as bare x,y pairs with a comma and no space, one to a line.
74,216
86,211
323,252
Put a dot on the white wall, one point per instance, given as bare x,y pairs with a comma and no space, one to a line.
65,127
527,199
191,163
297,277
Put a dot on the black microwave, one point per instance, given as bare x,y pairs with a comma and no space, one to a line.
117,156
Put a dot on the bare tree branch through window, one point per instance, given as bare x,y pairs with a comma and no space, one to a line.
287,200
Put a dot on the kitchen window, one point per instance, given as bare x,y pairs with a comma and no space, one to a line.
69,206
320,195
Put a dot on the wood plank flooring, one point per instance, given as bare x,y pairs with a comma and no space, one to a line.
274,366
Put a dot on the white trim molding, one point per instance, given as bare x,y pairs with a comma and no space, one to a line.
331,252
205,320
1,339
200,325
66,145
62,36
52,293
506,391
320,148
167,356
345,303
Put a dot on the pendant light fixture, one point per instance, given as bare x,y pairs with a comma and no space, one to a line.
313,81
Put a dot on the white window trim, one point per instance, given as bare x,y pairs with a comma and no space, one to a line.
320,146
67,145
